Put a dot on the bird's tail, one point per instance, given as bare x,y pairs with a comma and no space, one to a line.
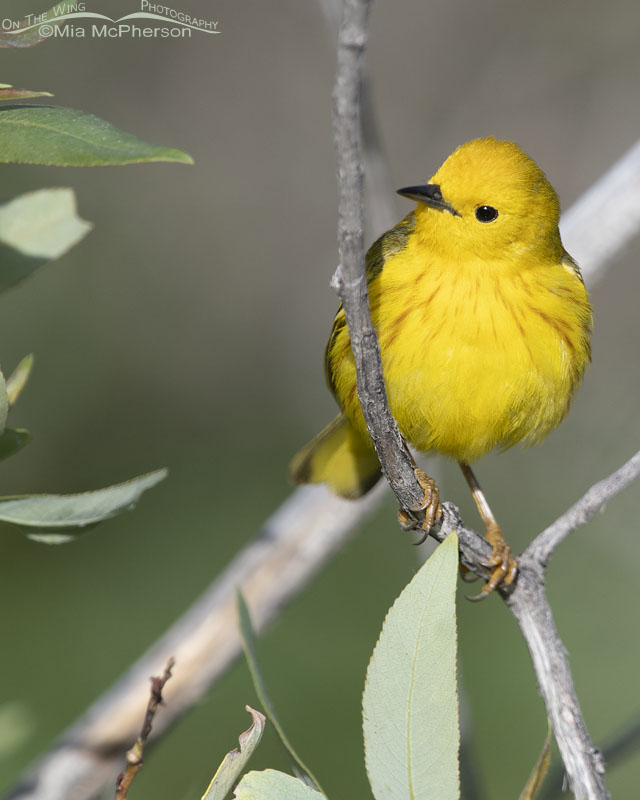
340,457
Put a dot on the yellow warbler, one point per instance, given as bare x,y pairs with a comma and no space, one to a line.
482,318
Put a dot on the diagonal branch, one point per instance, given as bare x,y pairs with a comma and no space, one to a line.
541,548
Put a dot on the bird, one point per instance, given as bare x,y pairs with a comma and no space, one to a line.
483,324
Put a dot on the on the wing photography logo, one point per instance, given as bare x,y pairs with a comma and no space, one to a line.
74,21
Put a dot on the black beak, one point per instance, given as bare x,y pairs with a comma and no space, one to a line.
429,194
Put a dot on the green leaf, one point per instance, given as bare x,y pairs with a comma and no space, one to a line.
12,440
273,785
35,228
65,137
4,403
540,768
249,645
410,703
9,93
18,378
52,515
236,760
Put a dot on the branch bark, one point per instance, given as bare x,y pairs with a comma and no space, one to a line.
349,281
541,548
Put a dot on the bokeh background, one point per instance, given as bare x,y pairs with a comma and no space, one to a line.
188,329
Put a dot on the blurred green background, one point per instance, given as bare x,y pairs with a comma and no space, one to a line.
188,329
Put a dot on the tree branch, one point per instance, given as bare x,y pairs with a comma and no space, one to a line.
620,744
541,548
349,280
583,763
595,232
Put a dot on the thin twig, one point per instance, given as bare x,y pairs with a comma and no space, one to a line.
541,548
136,753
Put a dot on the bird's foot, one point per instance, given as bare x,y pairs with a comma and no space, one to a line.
430,505
506,566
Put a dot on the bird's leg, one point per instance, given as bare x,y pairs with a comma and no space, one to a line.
506,567
430,505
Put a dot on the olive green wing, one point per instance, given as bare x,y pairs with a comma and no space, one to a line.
390,243
568,263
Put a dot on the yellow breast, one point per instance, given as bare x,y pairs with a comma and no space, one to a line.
475,355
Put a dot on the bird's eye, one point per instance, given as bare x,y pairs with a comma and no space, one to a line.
486,213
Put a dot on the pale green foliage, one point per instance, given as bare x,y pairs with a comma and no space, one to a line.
249,645
274,785
39,227
18,379
56,516
540,769
4,403
410,703
236,760
65,137
35,228
8,92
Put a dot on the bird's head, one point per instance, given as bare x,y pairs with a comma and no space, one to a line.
489,201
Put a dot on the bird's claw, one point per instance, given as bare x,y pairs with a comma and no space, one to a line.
466,575
430,506
506,566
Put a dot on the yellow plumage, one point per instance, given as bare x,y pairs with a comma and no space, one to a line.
483,323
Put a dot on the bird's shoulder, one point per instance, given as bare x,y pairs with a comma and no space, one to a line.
569,264
393,241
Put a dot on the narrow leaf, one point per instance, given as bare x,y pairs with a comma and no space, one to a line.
410,702
9,93
65,137
273,785
249,645
35,228
12,440
540,768
4,403
51,516
236,760
18,378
